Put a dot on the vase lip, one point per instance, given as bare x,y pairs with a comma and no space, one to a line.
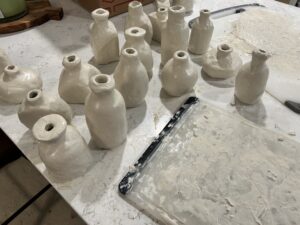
102,83
135,32
181,55
49,128
205,12
71,61
262,54
130,52
100,14
33,95
135,5
177,9
225,48
11,69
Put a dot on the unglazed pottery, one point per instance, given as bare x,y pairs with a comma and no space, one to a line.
162,3
201,33
16,82
135,38
131,78
176,34
61,147
104,38
252,78
138,18
222,63
159,22
179,75
105,113
4,60
74,79
36,104
187,4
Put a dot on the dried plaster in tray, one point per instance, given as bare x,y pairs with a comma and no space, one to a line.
218,169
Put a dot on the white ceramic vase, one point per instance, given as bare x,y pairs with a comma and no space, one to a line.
105,113
61,147
74,79
135,38
222,62
162,3
131,78
4,60
201,33
179,75
16,82
252,78
36,104
176,34
104,38
159,22
187,4
138,18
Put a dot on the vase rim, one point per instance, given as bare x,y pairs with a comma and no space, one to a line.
102,83
135,32
11,69
135,4
71,60
49,128
177,9
226,48
100,14
205,12
181,55
130,52
33,95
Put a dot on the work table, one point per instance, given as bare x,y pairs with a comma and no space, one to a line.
95,196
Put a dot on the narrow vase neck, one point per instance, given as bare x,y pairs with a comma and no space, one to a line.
259,59
72,62
204,17
11,72
135,35
129,56
181,59
223,51
102,84
162,13
100,16
176,15
35,97
135,8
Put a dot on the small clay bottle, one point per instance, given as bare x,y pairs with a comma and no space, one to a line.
104,38
131,78
15,82
74,79
135,38
201,34
61,147
159,22
138,18
36,104
179,75
105,113
222,63
252,78
176,34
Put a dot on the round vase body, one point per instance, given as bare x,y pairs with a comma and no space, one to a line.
61,147
15,83
179,75
74,80
252,78
105,113
36,104
104,38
